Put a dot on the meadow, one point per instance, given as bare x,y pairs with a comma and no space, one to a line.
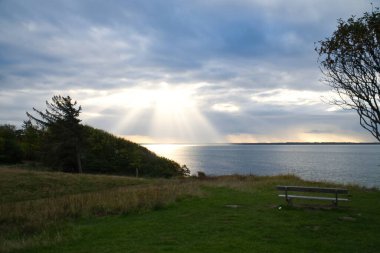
61,212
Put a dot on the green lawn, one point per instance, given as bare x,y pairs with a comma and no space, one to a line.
208,224
234,214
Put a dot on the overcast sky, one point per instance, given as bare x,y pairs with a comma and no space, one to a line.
178,71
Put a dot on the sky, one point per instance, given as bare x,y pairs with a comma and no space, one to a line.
176,71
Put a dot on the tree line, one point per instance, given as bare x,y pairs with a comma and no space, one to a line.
55,138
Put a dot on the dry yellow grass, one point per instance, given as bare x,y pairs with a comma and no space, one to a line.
35,214
25,222
21,184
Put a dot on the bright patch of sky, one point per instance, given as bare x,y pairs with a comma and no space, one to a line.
178,71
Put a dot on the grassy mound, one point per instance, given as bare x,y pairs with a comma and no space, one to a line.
20,184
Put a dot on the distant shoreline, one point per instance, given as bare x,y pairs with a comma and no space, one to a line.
310,143
270,143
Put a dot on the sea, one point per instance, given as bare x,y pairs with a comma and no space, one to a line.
348,164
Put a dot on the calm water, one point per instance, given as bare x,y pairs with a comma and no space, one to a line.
359,164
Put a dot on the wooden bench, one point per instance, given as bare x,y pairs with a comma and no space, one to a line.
335,191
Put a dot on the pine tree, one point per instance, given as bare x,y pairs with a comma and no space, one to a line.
61,124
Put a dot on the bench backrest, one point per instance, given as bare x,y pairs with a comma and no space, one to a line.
311,189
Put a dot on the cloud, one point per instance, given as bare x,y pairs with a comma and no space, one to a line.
287,97
318,131
226,107
249,67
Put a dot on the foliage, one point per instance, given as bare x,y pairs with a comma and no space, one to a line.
106,153
31,138
350,62
62,133
10,150
185,171
59,141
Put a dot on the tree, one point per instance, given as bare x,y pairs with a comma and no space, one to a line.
185,171
56,138
350,62
31,141
10,150
62,127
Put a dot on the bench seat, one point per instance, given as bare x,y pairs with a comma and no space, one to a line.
312,197
312,190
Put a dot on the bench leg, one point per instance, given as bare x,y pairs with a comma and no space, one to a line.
289,201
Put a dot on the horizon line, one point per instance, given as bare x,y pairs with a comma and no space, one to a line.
264,143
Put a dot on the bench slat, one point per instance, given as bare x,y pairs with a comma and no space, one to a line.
312,189
311,197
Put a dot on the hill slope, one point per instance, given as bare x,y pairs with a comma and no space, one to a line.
97,151
106,153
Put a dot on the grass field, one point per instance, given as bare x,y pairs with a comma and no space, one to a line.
224,214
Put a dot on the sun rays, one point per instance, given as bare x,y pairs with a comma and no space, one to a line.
161,113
